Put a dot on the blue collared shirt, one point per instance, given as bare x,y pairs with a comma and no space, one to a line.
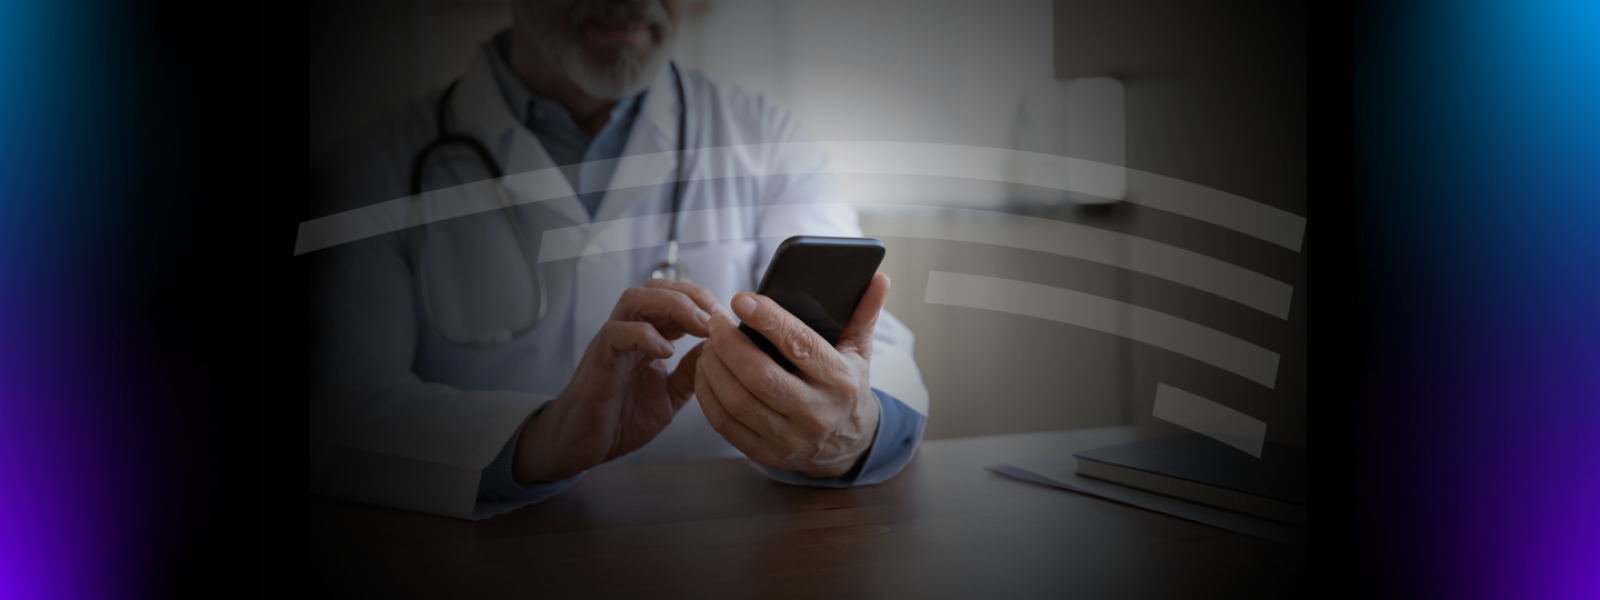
585,161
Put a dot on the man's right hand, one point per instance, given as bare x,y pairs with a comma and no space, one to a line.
621,395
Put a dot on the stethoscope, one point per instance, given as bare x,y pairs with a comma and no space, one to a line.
667,269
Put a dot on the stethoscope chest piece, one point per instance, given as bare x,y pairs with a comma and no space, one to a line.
671,268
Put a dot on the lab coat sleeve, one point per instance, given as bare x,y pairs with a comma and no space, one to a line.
497,485
380,434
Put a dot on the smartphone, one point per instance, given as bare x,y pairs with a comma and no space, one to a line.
820,280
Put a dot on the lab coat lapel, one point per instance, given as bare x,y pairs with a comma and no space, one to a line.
649,156
600,274
604,272
480,111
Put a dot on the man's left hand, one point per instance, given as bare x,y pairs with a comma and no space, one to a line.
818,420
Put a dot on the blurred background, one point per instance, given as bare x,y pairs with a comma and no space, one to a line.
1215,97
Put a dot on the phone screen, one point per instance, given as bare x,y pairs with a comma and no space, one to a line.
820,281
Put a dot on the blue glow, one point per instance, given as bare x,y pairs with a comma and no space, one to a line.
1479,143
81,391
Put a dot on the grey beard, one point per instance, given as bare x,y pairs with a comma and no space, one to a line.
621,75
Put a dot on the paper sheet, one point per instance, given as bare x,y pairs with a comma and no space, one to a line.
1061,472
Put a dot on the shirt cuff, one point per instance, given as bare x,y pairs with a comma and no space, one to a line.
497,485
899,431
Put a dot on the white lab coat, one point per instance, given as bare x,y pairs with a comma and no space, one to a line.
401,418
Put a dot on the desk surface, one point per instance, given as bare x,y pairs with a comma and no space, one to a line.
944,527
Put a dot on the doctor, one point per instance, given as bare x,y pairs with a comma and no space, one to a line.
598,364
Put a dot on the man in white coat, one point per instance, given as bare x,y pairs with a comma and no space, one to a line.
408,411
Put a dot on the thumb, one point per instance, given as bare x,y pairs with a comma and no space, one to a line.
857,335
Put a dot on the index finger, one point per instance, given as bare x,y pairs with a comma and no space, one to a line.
761,377
797,342
672,312
702,297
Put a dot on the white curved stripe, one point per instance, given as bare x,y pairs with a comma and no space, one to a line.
438,205
877,158
694,226
1071,174
1101,314
1086,243
961,225
1217,207
1211,419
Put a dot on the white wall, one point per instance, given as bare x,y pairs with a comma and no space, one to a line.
927,71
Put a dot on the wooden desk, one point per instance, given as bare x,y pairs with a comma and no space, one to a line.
943,528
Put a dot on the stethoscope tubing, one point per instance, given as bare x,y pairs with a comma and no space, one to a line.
677,270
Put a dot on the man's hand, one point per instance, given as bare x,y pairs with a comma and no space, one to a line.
819,420
621,395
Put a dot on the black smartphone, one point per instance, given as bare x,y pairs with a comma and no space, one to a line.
820,280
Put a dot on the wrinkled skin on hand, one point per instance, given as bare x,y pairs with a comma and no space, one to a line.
819,420
621,396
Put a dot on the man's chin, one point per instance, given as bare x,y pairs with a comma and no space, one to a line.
594,38
605,54
617,77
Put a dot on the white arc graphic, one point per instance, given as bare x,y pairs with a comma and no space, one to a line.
1214,420
874,158
1101,314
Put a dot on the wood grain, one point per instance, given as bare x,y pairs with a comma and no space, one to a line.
943,528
